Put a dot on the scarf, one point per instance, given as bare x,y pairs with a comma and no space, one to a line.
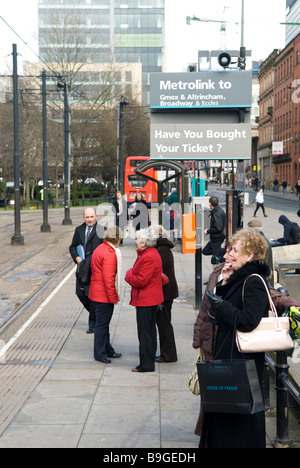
119,268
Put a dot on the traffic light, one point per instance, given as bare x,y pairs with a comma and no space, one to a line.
242,63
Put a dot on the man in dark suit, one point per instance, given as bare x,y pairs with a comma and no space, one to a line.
87,237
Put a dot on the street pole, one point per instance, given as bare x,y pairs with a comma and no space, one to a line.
242,57
198,255
67,220
17,238
45,227
123,102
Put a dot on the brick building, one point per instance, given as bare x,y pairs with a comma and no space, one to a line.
279,117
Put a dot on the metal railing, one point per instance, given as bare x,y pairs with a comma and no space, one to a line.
283,387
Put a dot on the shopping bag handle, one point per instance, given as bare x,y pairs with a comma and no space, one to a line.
272,305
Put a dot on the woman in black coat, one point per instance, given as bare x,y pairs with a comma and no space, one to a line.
222,430
140,212
168,352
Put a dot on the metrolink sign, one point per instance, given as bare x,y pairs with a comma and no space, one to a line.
202,90
200,115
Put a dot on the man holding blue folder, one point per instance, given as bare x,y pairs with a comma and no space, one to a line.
84,242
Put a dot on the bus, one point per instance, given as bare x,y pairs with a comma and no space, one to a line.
134,183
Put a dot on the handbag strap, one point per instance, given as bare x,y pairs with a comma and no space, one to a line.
272,305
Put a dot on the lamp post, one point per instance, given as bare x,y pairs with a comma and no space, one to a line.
45,227
17,238
63,84
123,102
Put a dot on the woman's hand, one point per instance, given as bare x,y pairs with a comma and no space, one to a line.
226,272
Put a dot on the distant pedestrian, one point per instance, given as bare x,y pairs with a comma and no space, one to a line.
173,197
287,238
121,216
215,231
139,212
275,184
297,187
145,279
259,199
168,352
84,242
284,186
105,291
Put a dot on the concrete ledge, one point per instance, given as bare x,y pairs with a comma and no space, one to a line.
284,253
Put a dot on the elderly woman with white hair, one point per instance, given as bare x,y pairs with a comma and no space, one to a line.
145,278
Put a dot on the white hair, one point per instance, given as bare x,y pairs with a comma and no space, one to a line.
148,236
159,230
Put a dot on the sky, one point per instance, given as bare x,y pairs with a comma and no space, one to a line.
262,31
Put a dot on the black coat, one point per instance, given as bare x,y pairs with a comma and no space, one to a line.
78,239
164,247
236,430
217,224
121,220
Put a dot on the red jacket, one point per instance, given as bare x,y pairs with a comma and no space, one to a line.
146,279
103,279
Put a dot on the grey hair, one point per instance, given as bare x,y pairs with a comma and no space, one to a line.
159,231
148,236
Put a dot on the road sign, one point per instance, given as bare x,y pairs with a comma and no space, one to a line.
204,90
205,141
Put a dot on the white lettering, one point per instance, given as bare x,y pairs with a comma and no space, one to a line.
167,149
235,134
162,134
198,84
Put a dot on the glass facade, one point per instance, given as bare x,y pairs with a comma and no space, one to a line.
102,31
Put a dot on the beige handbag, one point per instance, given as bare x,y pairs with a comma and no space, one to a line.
193,380
272,334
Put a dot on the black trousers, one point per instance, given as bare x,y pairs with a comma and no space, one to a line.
146,328
166,333
259,205
85,301
213,247
102,346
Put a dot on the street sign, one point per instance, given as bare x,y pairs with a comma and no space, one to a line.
206,141
204,90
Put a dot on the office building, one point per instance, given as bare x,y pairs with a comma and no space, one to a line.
104,31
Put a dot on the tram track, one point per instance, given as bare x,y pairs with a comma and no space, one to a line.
27,272
30,255
33,297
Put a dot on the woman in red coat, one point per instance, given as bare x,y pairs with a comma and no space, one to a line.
104,292
145,278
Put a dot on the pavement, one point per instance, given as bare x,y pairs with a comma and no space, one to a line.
77,402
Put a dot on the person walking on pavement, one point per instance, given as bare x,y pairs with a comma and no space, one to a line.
145,279
260,202
168,352
275,184
215,231
85,241
105,291
121,215
297,187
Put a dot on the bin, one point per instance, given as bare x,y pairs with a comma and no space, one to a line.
288,274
